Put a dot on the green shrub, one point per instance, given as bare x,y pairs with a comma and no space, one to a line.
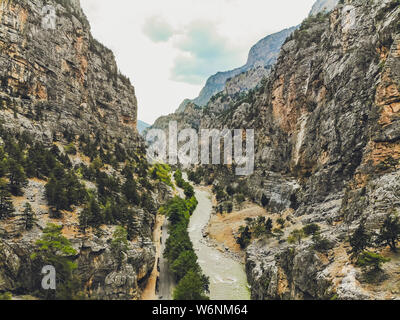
311,229
70,149
296,236
371,261
162,172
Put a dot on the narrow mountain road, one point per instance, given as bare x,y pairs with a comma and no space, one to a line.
166,279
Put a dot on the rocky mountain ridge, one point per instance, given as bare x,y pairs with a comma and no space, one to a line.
262,54
325,142
261,57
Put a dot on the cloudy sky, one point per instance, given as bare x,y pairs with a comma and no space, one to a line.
168,48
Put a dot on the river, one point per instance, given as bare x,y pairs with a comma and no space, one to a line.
228,279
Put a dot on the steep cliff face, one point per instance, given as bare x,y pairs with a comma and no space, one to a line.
327,151
64,73
266,51
60,87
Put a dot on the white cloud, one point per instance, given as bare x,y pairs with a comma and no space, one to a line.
204,52
171,69
157,29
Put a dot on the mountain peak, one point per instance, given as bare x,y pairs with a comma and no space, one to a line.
323,6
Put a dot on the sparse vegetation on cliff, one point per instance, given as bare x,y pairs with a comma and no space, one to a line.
55,250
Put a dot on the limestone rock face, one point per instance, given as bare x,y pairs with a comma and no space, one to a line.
62,78
327,118
97,267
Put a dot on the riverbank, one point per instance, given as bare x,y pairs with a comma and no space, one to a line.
223,228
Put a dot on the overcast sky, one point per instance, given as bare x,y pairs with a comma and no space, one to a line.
168,48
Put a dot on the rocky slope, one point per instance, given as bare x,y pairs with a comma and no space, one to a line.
63,72
57,85
327,151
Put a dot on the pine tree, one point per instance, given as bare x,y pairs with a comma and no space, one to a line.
188,190
28,217
54,249
186,261
94,213
264,200
245,237
390,232
130,191
147,202
154,175
119,244
17,177
131,226
109,210
84,218
56,194
3,163
268,225
6,205
360,240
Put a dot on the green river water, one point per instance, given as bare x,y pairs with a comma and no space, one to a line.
227,276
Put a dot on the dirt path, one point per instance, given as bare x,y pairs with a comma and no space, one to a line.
149,292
